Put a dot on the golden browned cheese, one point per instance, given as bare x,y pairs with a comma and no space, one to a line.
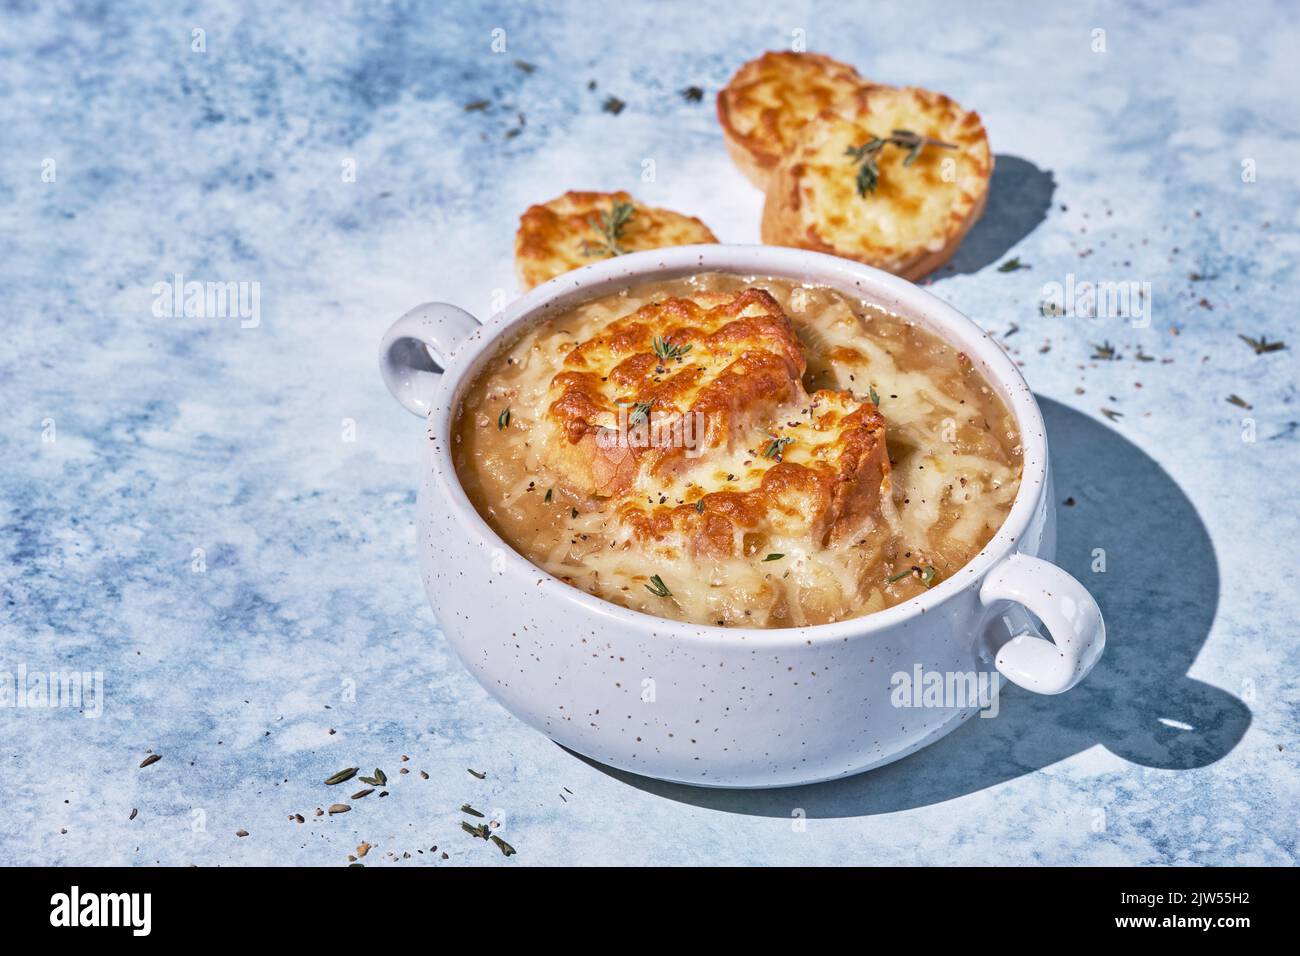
816,478
731,360
846,458
558,236
917,215
764,455
769,100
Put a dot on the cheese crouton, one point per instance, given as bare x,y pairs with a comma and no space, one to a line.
816,475
857,184
580,228
669,382
769,100
690,415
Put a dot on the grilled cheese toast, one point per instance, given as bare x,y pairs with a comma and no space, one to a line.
910,216
580,228
769,100
691,416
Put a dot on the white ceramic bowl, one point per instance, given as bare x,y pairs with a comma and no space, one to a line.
732,707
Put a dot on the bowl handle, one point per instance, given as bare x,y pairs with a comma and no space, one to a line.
417,347
1068,610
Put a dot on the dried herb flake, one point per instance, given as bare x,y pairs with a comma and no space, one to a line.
657,587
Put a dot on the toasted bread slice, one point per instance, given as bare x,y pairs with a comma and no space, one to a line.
690,415
667,384
815,476
917,214
769,100
571,231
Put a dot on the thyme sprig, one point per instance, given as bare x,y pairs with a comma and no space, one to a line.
866,155
665,350
609,225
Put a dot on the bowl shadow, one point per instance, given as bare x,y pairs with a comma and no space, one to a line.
1158,594
1020,196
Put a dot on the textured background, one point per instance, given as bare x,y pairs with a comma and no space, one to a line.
171,435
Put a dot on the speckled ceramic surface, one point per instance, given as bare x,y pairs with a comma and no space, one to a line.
216,514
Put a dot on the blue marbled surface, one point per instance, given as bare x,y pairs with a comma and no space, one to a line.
129,440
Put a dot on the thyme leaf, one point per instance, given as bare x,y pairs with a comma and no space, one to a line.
657,587
505,848
1262,345
927,575
666,350
776,447
640,412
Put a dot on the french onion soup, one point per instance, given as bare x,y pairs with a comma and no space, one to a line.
738,451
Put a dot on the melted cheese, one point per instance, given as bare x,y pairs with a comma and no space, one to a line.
771,98
952,443
921,205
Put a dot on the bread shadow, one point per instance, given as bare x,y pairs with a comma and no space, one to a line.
1020,196
1158,595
